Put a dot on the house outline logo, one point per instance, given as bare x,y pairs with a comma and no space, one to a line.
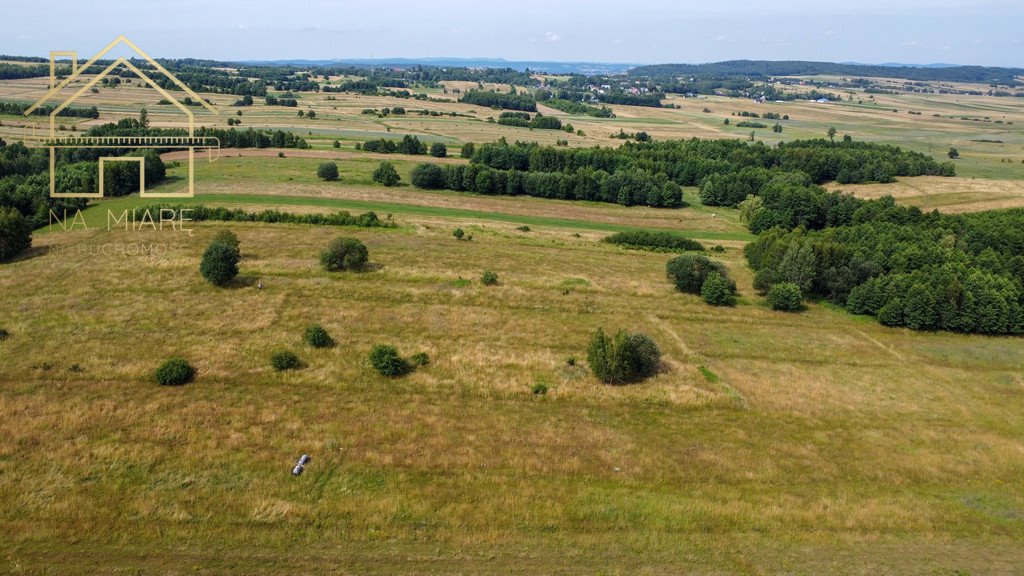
53,141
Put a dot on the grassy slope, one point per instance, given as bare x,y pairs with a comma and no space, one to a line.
827,444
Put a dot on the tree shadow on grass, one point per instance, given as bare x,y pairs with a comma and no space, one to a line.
371,267
29,253
242,281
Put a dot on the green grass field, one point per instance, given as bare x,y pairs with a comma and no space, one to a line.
768,443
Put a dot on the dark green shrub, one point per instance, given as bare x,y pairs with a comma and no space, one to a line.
4,334
458,233
428,176
654,241
344,254
717,291
327,171
489,278
438,150
284,360
539,389
174,372
785,296
219,264
317,337
385,359
467,150
226,237
337,144
624,358
523,228
386,175
689,271
419,359
15,233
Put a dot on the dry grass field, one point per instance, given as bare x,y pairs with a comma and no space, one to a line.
769,443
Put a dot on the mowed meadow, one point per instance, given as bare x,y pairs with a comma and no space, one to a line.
816,442
808,443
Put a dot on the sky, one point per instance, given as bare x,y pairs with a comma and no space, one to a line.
982,32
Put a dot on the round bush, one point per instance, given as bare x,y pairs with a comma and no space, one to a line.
386,175
317,337
220,264
226,237
689,271
15,233
174,372
284,360
4,334
429,176
624,358
386,360
438,150
344,254
328,171
785,296
467,150
489,278
458,233
717,291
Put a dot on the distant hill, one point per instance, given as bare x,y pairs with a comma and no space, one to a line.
520,65
756,68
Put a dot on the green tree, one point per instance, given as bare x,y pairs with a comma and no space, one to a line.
953,153
832,133
717,291
385,359
226,237
799,265
467,150
219,264
689,271
785,296
428,176
919,309
327,171
344,254
438,150
623,358
15,233
386,174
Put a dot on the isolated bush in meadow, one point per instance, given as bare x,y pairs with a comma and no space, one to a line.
489,278
386,175
4,334
785,296
317,337
284,360
344,254
689,271
15,233
174,372
219,264
226,237
438,150
626,357
385,359
539,389
458,233
327,171
717,290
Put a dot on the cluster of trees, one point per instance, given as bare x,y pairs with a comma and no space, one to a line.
698,274
961,273
17,109
576,107
229,138
199,213
523,120
276,101
626,187
407,145
651,240
507,100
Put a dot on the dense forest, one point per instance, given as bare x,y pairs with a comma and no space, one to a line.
506,100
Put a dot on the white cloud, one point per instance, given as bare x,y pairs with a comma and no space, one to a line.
552,37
